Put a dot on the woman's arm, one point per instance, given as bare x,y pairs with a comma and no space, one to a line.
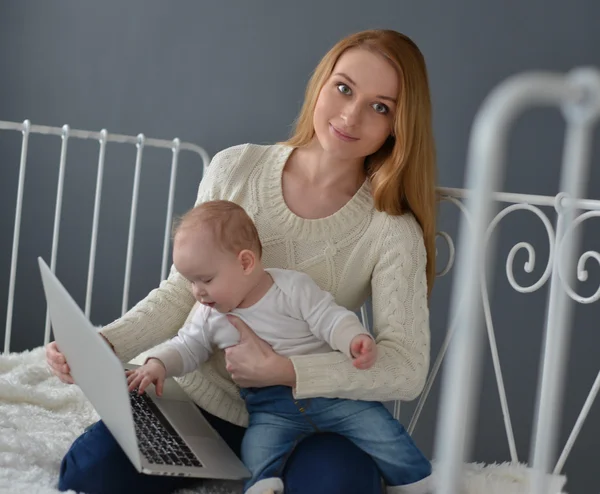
401,327
152,320
159,316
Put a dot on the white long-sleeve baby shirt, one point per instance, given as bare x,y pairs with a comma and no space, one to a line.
295,317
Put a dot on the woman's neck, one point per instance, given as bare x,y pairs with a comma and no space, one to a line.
320,168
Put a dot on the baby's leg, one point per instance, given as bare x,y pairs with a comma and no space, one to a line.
267,444
372,428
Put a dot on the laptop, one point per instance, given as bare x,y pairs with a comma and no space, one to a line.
160,436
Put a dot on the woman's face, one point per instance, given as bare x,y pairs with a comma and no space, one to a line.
355,110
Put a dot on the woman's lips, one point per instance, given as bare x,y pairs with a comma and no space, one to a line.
342,135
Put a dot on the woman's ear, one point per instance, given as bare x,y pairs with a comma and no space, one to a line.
247,260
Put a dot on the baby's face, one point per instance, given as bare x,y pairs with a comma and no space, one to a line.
217,276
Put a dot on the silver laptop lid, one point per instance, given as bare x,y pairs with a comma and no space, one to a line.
94,366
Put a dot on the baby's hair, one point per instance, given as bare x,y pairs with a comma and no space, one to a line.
231,226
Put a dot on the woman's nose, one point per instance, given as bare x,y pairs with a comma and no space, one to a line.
351,114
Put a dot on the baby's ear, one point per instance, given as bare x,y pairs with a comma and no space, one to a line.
247,260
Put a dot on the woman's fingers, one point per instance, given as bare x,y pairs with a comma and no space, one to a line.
58,363
53,356
245,331
66,378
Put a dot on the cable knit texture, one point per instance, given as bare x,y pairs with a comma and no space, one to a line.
354,253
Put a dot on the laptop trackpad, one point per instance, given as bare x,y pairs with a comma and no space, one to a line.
185,417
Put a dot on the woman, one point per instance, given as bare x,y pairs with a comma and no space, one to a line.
350,200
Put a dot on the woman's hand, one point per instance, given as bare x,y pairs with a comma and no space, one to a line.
58,363
253,363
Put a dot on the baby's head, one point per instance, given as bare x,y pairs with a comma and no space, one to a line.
217,248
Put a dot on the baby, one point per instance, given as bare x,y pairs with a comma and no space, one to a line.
217,248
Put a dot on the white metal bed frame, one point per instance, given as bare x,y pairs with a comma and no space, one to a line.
103,137
579,95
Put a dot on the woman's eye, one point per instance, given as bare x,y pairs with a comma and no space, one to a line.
381,108
344,89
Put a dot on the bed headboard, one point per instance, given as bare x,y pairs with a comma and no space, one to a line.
67,135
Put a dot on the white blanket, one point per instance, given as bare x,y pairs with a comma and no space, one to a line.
40,417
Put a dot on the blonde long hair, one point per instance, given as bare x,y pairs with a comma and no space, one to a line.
403,171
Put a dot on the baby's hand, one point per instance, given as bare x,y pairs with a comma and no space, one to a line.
152,371
364,351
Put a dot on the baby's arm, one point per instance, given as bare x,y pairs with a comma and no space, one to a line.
190,348
180,355
335,324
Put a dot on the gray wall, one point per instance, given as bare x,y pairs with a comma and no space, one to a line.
223,73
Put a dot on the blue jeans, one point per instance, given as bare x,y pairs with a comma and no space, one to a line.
278,423
321,464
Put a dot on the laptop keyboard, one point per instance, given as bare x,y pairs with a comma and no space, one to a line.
157,439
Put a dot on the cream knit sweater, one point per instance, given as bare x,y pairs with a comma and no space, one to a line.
354,253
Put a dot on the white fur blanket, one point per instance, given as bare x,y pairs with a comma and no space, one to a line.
40,417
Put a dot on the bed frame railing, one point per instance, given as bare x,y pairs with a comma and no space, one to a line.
103,138
578,96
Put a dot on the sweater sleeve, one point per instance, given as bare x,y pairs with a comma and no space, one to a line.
164,310
401,328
